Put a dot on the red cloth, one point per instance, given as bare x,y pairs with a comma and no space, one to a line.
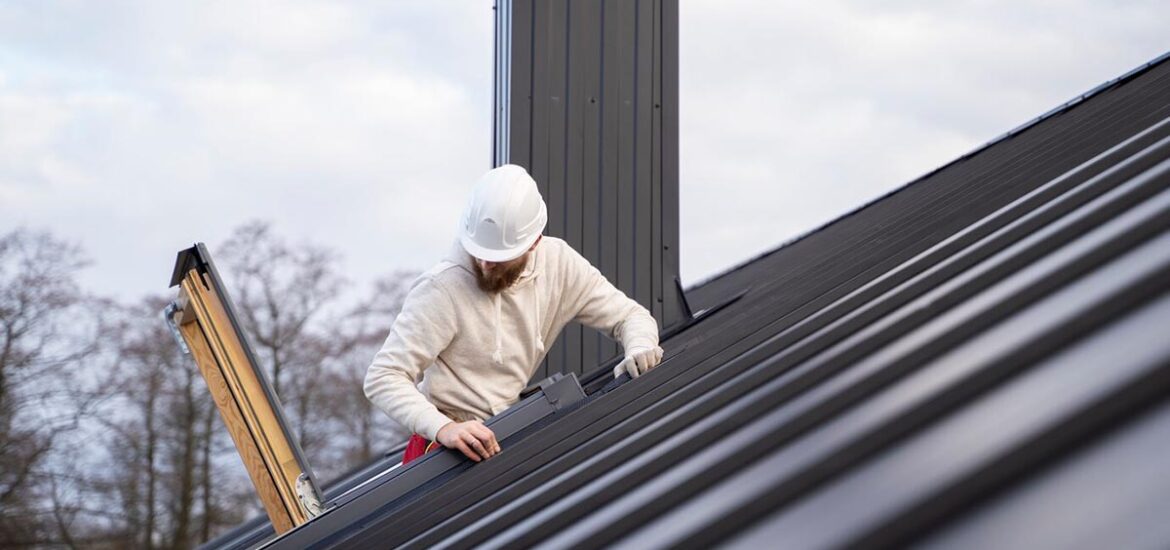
418,446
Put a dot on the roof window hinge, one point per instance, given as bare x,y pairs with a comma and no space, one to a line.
307,493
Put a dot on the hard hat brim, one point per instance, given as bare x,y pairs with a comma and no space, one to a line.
493,255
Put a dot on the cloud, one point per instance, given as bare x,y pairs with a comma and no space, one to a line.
136,128
803,111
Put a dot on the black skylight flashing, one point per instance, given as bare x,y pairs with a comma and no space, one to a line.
258,529
395,489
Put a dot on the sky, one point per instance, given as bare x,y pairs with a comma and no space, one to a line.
135,128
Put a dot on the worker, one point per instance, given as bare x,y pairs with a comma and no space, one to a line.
474,328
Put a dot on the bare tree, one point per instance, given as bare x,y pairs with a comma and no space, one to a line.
356,336
339,427
280,291
283,295
169,476
315,351
161,434
40,399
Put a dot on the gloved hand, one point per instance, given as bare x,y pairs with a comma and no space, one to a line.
638,361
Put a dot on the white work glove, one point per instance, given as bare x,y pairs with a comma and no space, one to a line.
638,361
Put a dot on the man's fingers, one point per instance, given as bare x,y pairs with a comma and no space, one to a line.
487,437
475,444
653,357
649,359
632,367
643,360
459,444
624,366
472,438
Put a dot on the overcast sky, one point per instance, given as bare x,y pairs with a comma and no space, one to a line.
136,128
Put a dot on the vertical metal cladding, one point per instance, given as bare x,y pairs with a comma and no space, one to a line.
587,99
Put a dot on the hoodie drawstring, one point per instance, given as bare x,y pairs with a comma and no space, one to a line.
536,314
498,355
538,330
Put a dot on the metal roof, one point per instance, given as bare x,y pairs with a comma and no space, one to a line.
977,360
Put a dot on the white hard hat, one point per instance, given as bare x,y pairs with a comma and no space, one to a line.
505,215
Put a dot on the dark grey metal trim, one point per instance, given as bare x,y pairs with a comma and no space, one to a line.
379,497
587,100
502,89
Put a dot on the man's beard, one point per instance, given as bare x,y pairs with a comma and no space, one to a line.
503,276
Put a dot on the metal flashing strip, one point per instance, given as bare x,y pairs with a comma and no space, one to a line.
256,531
509,423
379,498
363,473
502,90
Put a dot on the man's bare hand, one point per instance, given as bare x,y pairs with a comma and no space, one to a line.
472,438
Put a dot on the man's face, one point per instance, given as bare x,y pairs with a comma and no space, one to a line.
493,277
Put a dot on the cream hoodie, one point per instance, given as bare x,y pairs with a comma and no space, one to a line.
474,352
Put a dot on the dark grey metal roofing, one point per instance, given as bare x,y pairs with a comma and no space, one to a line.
977,360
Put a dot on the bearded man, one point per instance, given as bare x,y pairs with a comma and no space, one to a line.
475,327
